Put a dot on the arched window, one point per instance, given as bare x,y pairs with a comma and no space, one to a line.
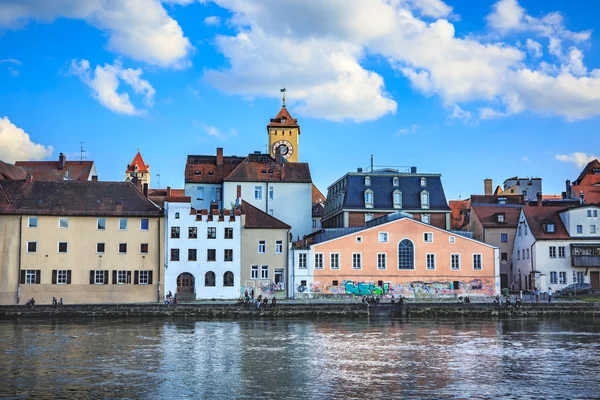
228,278
406,254
397,199
396,181
367,181
209,279
424,199
423,182
368,198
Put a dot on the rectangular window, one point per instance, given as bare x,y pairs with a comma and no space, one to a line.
271,193
121,277
144,278
31,247
503,256
500,217
174,254
561,252
592,229
270,211
455,261
228,233
451,239
278,279
553,279
211,255
518,254
397,199
381,261
279,246
101,224
504,237
144,248
477,262
424,200
383,237
594,213
369,217
211,233
228,255
63,277
218,194
192,255
368,199
425,218
262,246
122,248
257,192
264,272
589,213
254,273
123,224
527,253
580,229
552,251
302,260
144,224
356,261
580,278
63,223
319,261
200,193
63,247
175,232
334,261
334,283
176,215
31,276
32,222
192,232
430,261
428,237
100,248
99,277
563,277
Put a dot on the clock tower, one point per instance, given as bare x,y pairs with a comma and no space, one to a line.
284,134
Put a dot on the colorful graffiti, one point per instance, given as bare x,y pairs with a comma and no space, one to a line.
264,289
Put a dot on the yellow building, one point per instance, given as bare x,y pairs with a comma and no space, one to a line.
139,170
284,136
85,242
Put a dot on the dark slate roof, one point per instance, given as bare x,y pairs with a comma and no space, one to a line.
383,189
9,171
493,199
48,170
76,198
257,219
264,168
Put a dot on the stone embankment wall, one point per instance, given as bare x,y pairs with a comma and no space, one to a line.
297,310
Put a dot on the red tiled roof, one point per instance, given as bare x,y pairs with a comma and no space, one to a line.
488,216
203,169
141,165
584,174
536,216
459,211
163,192
263,168
551,197
283,113
317,196
258,219
48,170
10,171
591,194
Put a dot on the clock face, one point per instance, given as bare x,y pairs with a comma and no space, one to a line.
285,148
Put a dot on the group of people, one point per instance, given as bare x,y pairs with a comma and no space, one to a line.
169,299
56,302
465,300
371,300
260,302
536,293
509,301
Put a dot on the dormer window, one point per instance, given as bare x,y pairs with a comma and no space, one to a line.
424,199
550,228
283,120
368,198
197,173
423,182
367,181
210,173
397,199
502,200
501,218
396,181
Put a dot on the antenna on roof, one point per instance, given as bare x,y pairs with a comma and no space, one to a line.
158,176
81,151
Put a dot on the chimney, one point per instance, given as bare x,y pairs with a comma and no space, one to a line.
569,189
581,197
487,187
94,178
358,169
138,184
239,192
119,206
283,172
214,205
219,157
62,159
145,189
539,199
168,191
28,178
413,170
277,154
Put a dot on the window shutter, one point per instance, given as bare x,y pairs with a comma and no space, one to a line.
149,277
106,277
68,277
114,276
128,276
92,272
54,277
136,278
38,275
22,276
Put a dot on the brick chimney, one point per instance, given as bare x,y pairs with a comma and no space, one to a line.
145,190
239,192
219,157
168,191
539,199
487,187
282,172
62,159
569,189
94,178
28,178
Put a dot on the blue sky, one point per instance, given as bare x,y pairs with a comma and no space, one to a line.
468,89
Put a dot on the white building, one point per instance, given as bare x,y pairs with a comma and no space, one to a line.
557,247
528,187
202,258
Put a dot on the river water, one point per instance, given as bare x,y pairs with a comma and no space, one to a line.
294,359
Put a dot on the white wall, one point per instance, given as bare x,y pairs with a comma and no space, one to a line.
191,189
199,268
578,216
522,267
297,275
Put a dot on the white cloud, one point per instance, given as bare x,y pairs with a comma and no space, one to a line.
13,72
105,80
412,129
533,47
578,158
489,113
141,30
212,20
508,15
432,8
11,61
215,132
460,114
233,132
17,145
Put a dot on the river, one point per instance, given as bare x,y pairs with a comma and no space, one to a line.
294,359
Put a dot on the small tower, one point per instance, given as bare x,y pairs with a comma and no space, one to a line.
138,169
284,135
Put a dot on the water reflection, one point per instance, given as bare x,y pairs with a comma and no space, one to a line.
151,358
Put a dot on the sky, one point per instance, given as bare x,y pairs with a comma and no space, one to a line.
468,89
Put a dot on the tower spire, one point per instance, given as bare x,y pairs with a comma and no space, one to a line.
283,91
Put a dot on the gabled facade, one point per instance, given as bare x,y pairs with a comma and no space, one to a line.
318,208
529,188
359,197
11,172
202,259
587,186
139,170
61,170
395,255
557,247
85,242
284,137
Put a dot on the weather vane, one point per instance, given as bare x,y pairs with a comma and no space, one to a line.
283,91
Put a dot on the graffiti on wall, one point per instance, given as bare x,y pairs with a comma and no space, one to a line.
264,288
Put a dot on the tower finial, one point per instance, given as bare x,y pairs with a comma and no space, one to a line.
138,149
283,91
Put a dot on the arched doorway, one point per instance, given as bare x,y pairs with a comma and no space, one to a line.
185,283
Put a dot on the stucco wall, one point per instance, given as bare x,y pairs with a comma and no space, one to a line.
191,189
578,216
9,258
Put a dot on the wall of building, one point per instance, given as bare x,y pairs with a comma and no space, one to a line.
82,237
578,216
493,236
440,220
289,134
201,266
10,226
532,187
522,267
275,261
199,203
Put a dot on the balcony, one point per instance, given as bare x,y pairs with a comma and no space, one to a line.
585,261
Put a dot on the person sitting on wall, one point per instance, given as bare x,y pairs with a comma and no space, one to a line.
54,301
265,302
393,300
377,300
460,299
273,302
467,300
30,302
519,301
497,300
508,302
60,302
401,299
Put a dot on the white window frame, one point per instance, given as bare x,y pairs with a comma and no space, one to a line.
425,237
451,239
452,257
381,261
428,257
58,248
271,193
424,196
200,193
369,198
30,276
592,229
562,278
426,218
254,272
553,278
359,239
356,261
279,246
100,252
141,221
334,261
143,277
147,248
369,217
397,201
367,181
98,224
36,246
319,260
99,277
423,182
60,223
579,229
119,248
552,252
29,222
563,250
121,277
383,237
303,261
477,259
62,276
257,192
262,246
396,181
126,224
264,272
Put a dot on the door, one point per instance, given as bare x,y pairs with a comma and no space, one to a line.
503,281
595,279
185,283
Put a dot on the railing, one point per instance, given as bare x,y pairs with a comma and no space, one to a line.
585,261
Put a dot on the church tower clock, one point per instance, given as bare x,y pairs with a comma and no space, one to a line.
284,134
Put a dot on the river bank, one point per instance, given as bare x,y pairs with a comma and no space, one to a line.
303,310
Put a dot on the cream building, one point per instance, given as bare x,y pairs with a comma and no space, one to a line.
85,242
